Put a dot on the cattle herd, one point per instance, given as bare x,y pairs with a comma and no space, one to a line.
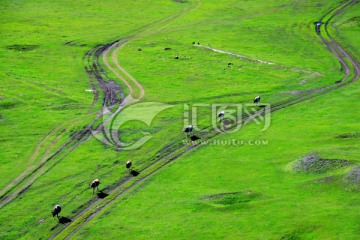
95,184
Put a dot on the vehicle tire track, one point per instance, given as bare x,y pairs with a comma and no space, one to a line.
31,176
97,78
31,160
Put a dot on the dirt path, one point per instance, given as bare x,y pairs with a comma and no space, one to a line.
107,64
30,162
245,58
30,175
120,68
111,93
234,54
177,148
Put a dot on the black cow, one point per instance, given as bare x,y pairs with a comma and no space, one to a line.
257,100
221,114
56,211
188,129
128,165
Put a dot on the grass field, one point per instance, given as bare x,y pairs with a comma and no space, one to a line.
247,190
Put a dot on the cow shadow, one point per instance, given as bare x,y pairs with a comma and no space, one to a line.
64,220
134,173
102,195
227,122
194,138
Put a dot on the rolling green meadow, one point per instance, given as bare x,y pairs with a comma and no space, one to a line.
240,185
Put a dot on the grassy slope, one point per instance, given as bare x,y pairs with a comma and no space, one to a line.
94,160
37,87
46,86
348,24
222,26
291,205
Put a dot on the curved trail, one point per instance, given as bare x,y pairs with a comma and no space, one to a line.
177,148
126,77
93,68
31,161
110,90
48,160
115,60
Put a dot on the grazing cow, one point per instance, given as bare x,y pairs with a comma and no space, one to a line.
167,48
317,27
188,129
257,100
95,184
56,211
221,114
176,57
128,165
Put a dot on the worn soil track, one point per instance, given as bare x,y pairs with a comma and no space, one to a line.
176,146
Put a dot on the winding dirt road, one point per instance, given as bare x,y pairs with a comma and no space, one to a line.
176,146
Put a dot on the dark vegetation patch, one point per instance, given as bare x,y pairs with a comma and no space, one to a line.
181,1
312,163
351,22
350,135
74,43
80,184
81,207
300,232
228,199
292,236
23,47
8,104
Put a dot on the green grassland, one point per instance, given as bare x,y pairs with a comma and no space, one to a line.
45,87
42,91
291,205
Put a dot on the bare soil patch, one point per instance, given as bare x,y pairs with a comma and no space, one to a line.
312,163
350,135
353,177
